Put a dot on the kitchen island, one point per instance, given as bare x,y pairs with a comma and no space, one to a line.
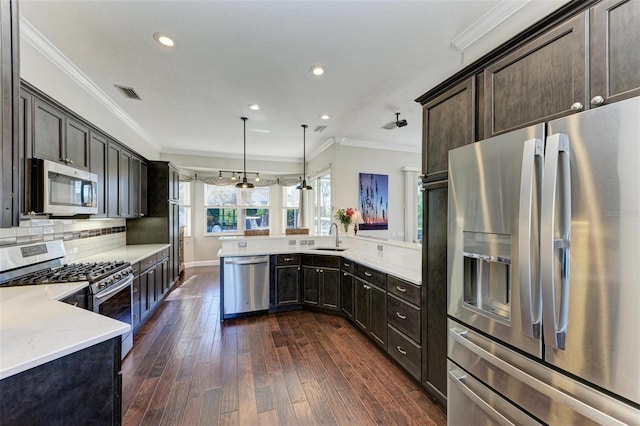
47,348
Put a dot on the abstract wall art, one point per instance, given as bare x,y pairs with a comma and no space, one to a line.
374,201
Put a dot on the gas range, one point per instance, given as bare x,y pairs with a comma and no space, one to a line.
23,262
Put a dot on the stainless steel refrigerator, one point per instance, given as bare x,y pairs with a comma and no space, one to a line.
544,273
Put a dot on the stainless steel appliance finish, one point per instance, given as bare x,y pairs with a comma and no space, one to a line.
116,302
544,236
246,284
63,190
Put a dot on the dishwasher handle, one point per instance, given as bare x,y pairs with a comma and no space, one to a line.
240,261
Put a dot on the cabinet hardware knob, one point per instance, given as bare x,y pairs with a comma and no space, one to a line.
345,274
402,351
401,289
321,271
403,317
368,274
317,270
367,287
597,100
69,161
577,106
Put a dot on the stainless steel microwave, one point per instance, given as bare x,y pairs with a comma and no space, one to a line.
61,190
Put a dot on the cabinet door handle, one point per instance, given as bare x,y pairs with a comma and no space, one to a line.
402,317
401,289
366,287
577,106
597,100
345,274
346,264
402,351
368,274
288,259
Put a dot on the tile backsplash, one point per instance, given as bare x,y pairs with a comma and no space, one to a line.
82,237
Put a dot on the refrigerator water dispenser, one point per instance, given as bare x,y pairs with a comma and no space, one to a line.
487,270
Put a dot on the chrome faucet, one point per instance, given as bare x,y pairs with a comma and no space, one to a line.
330,228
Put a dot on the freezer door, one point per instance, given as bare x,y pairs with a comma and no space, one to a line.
544,394
492,269
590,240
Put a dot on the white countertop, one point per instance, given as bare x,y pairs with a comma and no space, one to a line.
131,253
413,275
36,328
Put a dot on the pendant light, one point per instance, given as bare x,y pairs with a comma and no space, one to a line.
303,185
244,184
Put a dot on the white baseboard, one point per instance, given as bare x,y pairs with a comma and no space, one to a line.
197,263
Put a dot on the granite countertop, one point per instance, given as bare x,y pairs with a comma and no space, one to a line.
35,327
413,275
131,253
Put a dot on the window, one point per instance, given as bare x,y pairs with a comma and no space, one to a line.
290,207
231,210
184,212
322,207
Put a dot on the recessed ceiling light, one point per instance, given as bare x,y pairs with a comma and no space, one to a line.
317,70
164,39
325,116
254,107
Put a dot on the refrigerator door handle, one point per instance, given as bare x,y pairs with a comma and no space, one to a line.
528,237
458,377
555,242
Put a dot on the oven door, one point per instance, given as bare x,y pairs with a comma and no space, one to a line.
116,302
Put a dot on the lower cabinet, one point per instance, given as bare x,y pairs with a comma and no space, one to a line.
321,281
370,312
150,284
287,280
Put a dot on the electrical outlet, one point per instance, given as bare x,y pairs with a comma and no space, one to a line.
242,244
303,242
292,242
380,247
311,242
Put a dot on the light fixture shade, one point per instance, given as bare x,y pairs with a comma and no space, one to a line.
303,185
357,217
244,184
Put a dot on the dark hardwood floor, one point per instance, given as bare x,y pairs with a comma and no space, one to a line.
291,368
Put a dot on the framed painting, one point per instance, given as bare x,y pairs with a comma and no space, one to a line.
374,201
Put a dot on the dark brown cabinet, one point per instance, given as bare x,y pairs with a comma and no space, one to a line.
9,117
134,186
321,281
347,288
113,180
448,123
287,280
540,81
614,51
59,138
370,303
434,281
160,225
98,165
124,176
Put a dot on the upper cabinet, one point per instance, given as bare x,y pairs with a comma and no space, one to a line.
540,81
448,123
614,51
59,138
9,88
98,165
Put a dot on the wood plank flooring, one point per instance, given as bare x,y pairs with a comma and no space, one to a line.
294,368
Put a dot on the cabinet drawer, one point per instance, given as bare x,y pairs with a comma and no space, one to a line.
287,259
164,253
347,265
404,317
403,350
148,262
404,290
370,275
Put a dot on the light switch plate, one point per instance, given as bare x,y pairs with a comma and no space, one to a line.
311,242
242,244
292,242
380,247
303,242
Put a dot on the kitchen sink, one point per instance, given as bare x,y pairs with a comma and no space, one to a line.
330,248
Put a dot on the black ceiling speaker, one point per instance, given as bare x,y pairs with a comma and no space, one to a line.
244,184
303,185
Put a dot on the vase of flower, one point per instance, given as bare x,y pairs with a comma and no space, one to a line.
344,216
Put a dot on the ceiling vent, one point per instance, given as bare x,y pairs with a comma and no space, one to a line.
128,92
319,128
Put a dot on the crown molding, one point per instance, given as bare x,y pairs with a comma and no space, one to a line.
358,143
486,23
31,35
226,155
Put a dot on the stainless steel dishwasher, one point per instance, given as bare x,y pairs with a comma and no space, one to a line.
246,284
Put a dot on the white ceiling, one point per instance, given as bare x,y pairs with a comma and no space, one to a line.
379,55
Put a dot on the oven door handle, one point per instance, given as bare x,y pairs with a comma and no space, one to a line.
126,283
